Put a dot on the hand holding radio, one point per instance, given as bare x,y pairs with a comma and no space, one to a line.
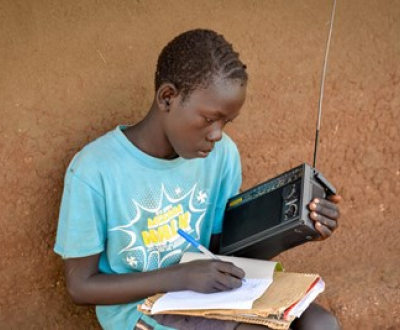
325,213
293,208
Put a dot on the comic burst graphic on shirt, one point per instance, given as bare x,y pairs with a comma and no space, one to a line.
157,243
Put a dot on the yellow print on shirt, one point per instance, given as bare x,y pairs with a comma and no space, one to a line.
164,226
150,239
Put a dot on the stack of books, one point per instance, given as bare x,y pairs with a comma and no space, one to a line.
269,296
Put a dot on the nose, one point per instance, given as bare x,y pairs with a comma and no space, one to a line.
215,134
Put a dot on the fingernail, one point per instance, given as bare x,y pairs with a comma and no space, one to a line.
316,200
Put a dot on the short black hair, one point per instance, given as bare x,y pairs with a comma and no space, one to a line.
194,58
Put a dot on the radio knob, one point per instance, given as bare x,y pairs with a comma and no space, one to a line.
291,210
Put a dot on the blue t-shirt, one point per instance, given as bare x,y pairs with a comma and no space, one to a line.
125,205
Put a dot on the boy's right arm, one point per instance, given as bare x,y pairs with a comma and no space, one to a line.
87,285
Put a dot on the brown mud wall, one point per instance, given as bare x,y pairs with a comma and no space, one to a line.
72,70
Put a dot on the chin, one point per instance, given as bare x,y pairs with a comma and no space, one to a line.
193,155
203,154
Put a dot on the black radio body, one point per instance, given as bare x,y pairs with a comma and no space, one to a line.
273,217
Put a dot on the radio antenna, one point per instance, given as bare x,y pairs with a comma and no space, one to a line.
321,95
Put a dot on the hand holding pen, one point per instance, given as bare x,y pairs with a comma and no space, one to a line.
213,275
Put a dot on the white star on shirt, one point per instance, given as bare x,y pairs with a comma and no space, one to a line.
178,191
131,261
201,197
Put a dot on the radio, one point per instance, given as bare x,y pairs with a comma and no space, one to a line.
274,216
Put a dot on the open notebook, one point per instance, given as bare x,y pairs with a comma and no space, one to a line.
269,296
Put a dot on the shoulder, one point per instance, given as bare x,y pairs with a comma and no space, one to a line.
225,156
94,157
226,148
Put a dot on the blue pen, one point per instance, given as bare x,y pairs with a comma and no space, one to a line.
197,245
200,247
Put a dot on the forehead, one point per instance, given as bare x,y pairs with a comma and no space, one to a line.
222,96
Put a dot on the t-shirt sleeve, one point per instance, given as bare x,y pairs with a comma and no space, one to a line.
81,224
230,184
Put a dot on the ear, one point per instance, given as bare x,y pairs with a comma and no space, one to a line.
166,95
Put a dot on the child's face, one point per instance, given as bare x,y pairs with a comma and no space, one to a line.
194,126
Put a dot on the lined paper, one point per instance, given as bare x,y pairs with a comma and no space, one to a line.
240,298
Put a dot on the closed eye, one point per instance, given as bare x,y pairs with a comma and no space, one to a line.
209,120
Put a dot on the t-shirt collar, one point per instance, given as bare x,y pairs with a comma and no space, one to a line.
146,159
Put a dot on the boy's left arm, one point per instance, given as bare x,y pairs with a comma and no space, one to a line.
325,213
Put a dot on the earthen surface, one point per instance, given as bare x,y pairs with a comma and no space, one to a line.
72,70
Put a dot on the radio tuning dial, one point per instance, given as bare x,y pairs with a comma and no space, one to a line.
291,210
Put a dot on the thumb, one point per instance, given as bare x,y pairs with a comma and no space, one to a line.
335,198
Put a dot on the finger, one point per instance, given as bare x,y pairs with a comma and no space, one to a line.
325,208
323,230
323,203
335,198
231,269
328,222
227,282
214,289
326,212
217,287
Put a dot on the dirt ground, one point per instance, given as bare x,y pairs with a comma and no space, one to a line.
72,70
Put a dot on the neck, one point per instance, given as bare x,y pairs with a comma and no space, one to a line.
148,135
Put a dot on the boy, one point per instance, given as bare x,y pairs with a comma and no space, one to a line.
128,192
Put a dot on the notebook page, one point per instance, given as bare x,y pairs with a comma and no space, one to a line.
241,298
253,268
